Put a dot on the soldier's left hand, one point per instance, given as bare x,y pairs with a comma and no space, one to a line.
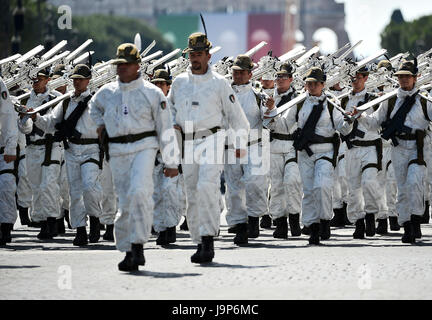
9,158
170,173
240,153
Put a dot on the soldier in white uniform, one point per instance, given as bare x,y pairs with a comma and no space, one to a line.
247,182
8,145
77,130
134,121
168,196
203,102
405,119
317,141
286,186
364,168
43,157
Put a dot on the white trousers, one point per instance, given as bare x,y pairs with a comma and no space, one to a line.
8,209
44,182
133,183
109,198
247,186
318,178
366,194
286,185
24,193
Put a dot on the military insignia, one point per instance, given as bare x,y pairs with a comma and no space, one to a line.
232,98
163,105
4,95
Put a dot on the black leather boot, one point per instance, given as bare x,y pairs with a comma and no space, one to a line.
305,230
23,215
338,219
67,218
325,229
425,218
6,237
346,220
138,254
266,222
408,236
314,238
184,225
415,221
196,257
109,233
127,264
394,225
281,231
162,239
232,229
81,237
171,234
294,224
207,252
253,227
94,235
359,232
60,226
52,226
242,234
382,227
370,224
44,234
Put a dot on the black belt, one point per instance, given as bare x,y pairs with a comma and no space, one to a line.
132,137
377,143
48,143
280,136
200,134
83,141
2,150
407,136
121,139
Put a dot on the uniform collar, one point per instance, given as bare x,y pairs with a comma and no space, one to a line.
403,94
242,88
276,94
200,77
315,99
82,96
134,84
359,94
40,96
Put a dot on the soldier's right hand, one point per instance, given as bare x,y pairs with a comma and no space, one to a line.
269,104
99,131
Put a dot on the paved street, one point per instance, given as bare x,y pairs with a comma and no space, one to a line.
342,268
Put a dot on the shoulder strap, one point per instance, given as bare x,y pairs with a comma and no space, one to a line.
423,102
258,99
65,105
391,105
330,109
344,102
299,106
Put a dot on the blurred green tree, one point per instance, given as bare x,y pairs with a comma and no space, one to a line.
401,36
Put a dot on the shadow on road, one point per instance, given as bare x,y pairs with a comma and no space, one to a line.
234,266
162,274
19,267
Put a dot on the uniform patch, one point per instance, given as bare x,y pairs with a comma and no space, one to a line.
232,98
163,105
4,95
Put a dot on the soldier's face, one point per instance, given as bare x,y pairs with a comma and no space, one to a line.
39,84
407,81
314,88
283,82
163,86
127,71
241,76
267,84
199,60
80,85
358,82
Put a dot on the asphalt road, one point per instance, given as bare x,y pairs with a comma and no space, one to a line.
379,267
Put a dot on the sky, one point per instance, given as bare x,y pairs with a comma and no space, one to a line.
366,19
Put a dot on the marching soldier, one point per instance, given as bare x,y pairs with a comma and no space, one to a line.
404,119
43,157
317,143
363,165
286,186
247,182
168,196
203,103
134,121
76,128
8,145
